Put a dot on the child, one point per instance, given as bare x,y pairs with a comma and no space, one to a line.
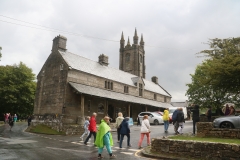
86,131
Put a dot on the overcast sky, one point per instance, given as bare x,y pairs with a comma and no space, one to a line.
173,31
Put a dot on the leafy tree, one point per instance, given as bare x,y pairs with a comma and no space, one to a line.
217,80
17,89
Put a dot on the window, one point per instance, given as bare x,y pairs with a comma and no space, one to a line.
109,85
140,58
165,99
125,89
61,67
101,108
155,96
140,89
127,57
89,106
106,84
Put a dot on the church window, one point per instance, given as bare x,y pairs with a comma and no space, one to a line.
140,89
125,89
127,57
155,96
141,58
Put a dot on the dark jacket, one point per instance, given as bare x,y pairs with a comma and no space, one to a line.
124,127
195,113
180,116
174,115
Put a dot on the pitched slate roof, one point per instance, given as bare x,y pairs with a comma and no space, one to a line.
92,67
116,96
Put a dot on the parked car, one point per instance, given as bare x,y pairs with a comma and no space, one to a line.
227,122
153,117
170,116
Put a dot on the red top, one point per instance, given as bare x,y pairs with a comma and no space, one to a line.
92,126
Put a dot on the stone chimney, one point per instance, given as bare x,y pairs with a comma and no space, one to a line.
155,79
103,59
59,43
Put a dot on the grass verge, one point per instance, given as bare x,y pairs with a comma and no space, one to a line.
43,129
209,139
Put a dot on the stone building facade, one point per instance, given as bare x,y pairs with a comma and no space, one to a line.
71,85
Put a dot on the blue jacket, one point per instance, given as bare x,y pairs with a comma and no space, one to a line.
174,115
124,127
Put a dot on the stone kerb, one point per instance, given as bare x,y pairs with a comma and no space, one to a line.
195,150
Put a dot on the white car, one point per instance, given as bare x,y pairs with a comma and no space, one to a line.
153,117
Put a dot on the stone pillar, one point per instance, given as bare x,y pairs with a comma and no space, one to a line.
81,118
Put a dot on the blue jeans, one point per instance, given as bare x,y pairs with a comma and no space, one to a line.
121,139
166,124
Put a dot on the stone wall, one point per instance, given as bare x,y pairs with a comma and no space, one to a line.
205,129
195,150
59,123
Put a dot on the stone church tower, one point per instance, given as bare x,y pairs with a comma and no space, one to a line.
132,57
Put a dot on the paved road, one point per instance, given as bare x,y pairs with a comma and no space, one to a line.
20,145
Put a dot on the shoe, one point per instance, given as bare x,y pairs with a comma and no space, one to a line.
112,157
85,143
129,145
81,138
100,157
149,144
118,141
140,147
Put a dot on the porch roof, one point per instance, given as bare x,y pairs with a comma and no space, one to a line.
116,96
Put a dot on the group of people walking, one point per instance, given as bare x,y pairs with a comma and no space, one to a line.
10,119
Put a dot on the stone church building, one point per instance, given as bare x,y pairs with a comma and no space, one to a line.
71,85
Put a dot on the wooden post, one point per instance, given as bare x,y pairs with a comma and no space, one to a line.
129,109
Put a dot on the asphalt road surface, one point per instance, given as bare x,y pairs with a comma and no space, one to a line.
20,145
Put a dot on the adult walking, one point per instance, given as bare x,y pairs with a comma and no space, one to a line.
145,130
85,126
180,120
15,118
92,128
195,116
174,120
10,121
125,131
166,119
104,138
118,123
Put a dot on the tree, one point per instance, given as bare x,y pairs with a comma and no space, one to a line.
217,80
17,89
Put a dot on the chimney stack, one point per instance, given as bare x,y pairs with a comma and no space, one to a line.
103,59
155,79
59,43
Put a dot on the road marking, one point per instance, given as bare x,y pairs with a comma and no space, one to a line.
69,150
127,153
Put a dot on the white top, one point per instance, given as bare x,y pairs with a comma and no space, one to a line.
119,121
145,128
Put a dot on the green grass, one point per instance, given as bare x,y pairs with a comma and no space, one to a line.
43,129
216,140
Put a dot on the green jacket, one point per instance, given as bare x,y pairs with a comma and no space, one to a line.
102,130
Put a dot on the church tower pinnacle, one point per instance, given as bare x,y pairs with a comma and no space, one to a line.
135,38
